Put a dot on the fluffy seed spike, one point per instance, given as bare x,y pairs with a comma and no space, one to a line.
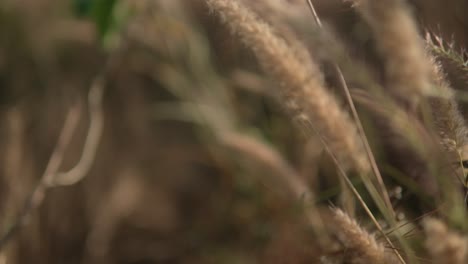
406,66
303,92
443,245
361,247
447,118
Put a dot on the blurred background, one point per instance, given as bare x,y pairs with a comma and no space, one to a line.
155,181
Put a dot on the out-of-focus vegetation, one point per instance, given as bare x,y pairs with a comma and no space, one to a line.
100,12
233,131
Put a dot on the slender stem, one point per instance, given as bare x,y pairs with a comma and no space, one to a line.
38,194
358,196
360,128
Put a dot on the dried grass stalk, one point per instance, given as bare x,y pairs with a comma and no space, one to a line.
443,245
262,154
360,246
406,66
303,92
278,170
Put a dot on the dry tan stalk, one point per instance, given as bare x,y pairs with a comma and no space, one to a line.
443,245
254,150
96,126
303,92
49,178
406,67
342,82
360,246
283,174
38,194
396,257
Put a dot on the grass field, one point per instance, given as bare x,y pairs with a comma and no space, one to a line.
233,131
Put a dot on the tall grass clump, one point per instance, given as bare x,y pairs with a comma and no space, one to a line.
303,91
233,131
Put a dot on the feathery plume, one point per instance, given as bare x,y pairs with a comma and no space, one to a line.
406,66
360,246
448,120
444,245
303,92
